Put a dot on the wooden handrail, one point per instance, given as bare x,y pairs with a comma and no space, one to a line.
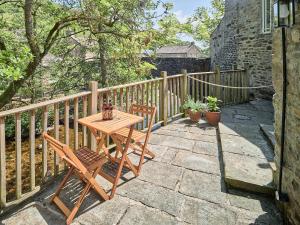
43,104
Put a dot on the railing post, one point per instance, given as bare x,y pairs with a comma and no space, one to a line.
164,98
2,163
184,86
92,109
218,81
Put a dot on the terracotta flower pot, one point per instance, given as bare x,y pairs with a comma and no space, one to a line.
213,118
195,116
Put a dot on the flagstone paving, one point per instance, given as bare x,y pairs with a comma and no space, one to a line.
183,185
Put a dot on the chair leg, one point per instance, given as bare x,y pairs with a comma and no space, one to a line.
62,184
78,203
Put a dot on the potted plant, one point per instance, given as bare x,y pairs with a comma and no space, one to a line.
187,105
194,109
213,115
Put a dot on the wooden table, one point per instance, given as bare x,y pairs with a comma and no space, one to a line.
101,129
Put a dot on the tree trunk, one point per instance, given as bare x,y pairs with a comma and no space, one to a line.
103,66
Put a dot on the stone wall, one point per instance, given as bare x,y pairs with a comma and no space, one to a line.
291,172
238,42
175,65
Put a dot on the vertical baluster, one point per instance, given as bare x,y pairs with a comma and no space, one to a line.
115,101
143,99
32,149
174,94
226,90
84,114
2,163
170,97
151,93
121,99
45,149
100,101
18,142
156,100
138,90
178,93
132,94
76,143
147,101
66,121
243,85
127,99
206,78
56,136
194,82
188,87
197,84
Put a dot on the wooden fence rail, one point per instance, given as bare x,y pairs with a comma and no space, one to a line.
35,164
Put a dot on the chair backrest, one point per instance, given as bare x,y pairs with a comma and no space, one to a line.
65,152
145,110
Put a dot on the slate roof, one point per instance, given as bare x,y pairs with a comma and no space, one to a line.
175,49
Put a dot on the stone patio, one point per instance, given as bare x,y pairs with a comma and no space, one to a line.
184,184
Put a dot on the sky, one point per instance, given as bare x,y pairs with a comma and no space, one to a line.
185,8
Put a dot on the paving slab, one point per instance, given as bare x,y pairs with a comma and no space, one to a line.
141,215
248,173
107,213
161,174
152,196
203,186
198,162
171,141
207,148
247,156
205,213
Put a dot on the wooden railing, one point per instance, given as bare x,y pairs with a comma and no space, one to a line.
26,164
231,78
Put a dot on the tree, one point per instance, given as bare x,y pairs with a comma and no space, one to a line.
37,27
205,21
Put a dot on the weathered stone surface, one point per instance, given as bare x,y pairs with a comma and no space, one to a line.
203,186
206,148
258,148
166,192
291,173
248,173
268,131
107,213
141,215
199,162
34,214
162,174
171,141
238,42
152,196
202,212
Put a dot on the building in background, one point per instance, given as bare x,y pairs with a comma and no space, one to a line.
243,40
180,51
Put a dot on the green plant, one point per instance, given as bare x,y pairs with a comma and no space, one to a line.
212,104
193,106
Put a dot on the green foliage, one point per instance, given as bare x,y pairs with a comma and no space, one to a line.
212,104
193,106
205,20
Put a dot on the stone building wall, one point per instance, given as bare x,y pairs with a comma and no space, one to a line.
291,172
238,42
175,65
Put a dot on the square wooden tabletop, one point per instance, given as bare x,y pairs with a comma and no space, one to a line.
119,121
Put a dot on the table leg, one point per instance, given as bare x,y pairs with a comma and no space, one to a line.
121,164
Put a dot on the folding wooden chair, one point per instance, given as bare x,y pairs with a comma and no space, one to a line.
85,164
140,139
